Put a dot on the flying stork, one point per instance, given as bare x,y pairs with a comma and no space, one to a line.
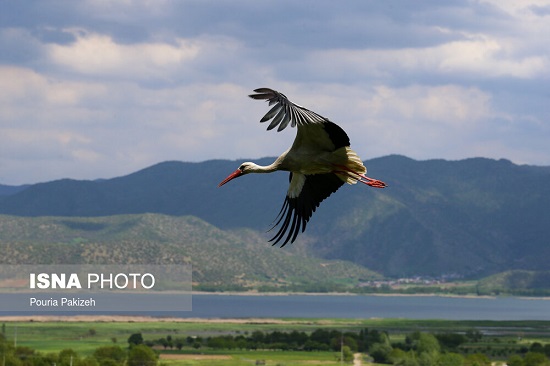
319,161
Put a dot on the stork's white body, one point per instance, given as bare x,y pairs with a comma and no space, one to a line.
319,161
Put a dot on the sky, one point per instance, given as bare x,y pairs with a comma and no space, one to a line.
102,88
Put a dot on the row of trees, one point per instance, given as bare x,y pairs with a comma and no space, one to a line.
422,349
319,340
418,349
138,355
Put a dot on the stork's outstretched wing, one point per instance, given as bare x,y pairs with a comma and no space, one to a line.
284,111
304,195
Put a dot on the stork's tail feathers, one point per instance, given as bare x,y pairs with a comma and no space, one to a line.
353,170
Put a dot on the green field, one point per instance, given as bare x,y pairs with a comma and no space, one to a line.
236,358
86,336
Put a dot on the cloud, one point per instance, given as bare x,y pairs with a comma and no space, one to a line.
28,97
417,119
102,88
100,55
477,56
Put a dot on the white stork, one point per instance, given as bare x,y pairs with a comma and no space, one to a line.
319,161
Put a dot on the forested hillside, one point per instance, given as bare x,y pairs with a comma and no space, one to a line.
472,217
221,260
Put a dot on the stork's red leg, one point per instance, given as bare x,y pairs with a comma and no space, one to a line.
372,182
361,177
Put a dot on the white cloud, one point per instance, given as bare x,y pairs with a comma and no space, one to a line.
103,88
489,57
29,98
477,55
517,8
420,121
447,105
98,54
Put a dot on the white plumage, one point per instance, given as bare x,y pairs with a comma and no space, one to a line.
319,161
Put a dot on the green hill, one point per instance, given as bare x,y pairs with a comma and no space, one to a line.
473,217
220,259
516,282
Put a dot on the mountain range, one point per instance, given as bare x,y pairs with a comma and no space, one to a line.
472,217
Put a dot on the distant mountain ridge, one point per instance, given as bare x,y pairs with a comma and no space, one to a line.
473,217
9,190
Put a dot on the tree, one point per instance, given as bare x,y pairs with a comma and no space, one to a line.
216,342
336,343
108,355
299,338
380,352
535,359
371,337
315,346
257,336
477,359
451,359
404,358
515,360
163,342
347,353
428,358
423,342
141,355
67,357
135,339
451,341
428,350
11,360
320,336
397,356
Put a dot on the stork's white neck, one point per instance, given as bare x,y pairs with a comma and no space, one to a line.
255,168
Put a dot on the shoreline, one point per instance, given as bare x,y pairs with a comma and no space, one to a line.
135,319
127,318
255,293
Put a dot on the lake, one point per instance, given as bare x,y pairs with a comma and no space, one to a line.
364,306
316,306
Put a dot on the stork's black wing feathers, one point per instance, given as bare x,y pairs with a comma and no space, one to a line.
336,134
297,211
299,206
284,111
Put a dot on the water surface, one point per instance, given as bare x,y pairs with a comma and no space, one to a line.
364,307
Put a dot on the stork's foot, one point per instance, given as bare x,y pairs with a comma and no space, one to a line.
360,177
372,182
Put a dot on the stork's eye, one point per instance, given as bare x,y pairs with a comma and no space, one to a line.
241,168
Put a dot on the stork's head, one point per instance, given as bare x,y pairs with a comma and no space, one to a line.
245,168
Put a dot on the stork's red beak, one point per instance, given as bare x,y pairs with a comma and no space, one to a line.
235,174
